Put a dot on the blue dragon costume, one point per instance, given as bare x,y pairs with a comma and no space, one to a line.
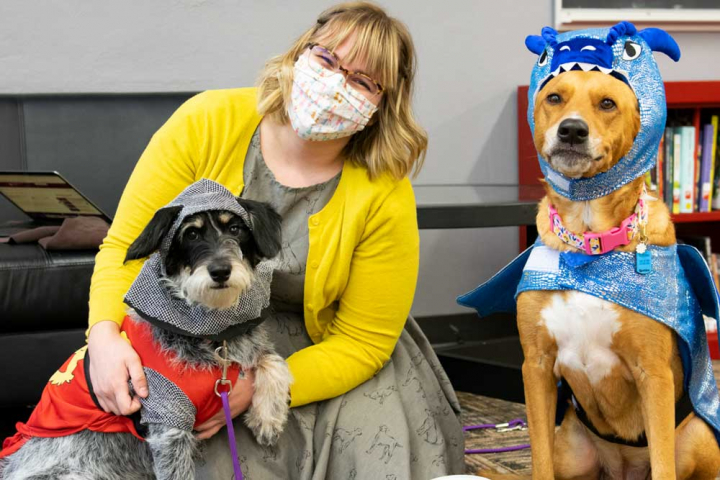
626,54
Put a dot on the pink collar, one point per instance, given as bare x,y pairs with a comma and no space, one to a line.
598,243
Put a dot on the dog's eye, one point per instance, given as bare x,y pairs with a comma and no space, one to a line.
607,104
631,51
554,99
192,234
543,59
234,229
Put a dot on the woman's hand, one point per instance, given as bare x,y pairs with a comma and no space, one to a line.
112,362
240,399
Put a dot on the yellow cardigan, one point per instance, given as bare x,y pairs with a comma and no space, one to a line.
362,262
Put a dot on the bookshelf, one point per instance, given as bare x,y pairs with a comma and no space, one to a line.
694,96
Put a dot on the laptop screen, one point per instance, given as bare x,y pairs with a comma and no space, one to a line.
46,196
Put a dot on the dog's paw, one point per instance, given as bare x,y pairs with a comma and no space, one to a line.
266,427
269,411
267,420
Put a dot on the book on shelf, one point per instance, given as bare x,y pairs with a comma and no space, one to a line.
714,121
668,166
705,168
653,177
697,187
676,170
685,175
687,169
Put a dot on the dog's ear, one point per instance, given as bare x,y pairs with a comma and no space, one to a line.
266,227
150,238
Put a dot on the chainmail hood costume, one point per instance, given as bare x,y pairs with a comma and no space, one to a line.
679,288
154,302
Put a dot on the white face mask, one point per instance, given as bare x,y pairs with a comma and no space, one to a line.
322,106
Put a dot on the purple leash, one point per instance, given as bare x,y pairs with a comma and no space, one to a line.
221,355
516,424
231,436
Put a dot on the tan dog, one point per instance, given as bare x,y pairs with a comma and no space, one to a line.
623,367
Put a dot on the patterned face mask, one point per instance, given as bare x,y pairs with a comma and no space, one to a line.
322,106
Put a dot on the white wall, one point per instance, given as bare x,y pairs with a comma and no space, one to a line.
471,58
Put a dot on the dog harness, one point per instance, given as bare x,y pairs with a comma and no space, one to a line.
179,395
683,408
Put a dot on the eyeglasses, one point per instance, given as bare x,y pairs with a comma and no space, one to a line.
360,82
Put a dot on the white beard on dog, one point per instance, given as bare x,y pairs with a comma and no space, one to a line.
197,287
156,299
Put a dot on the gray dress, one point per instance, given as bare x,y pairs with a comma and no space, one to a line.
402,424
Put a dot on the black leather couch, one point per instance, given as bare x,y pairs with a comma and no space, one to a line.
94,141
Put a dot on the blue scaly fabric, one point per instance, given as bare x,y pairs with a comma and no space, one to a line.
626,54
680,304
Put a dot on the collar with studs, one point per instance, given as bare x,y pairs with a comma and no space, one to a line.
593,243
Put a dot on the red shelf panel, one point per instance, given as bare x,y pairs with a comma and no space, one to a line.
692,94
696,217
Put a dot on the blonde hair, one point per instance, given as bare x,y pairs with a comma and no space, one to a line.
392,142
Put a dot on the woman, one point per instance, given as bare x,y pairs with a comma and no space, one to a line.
329,139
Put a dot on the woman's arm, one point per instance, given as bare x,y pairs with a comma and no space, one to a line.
166,167
373,308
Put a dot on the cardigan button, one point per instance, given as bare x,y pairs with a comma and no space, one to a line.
315,221
315,264
309,307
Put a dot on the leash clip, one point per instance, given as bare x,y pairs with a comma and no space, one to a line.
510,429
511,426
221,355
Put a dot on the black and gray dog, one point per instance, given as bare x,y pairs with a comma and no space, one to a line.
211,259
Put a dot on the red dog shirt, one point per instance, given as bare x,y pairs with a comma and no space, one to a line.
179,395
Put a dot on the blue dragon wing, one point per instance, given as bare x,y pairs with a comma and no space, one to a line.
700,279
497,295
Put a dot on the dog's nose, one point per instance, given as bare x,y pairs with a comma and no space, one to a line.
573,131
220,272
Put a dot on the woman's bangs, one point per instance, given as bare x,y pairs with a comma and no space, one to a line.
373,44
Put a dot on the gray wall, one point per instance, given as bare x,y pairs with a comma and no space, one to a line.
471,58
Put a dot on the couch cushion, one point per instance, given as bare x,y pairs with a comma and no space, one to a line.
43,290
30,359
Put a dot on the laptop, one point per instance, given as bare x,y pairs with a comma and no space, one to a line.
46,197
